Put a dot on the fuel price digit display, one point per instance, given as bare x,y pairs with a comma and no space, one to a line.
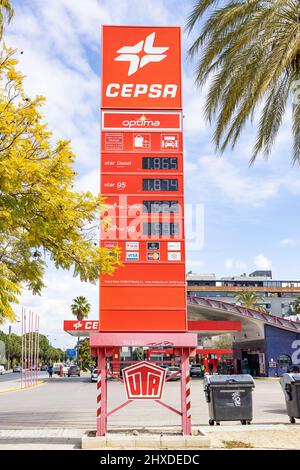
160,163
160,228
160,207
160,184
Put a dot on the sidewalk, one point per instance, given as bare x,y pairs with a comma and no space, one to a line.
264,436
256,436
40,439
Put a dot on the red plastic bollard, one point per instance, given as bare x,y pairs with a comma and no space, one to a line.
61,371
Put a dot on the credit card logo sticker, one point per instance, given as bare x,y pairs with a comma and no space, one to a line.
174,256
132,246
174,246
132,256
153,246
155,256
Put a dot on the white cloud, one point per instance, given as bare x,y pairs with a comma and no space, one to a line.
194,264
289,242
231,263
89,182
218,176
262,262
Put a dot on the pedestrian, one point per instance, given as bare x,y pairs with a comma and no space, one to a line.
202,369
219,369
224,367
50,371
210,368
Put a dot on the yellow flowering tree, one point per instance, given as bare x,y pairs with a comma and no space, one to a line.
41,215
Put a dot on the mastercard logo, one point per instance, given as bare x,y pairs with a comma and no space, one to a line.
153,256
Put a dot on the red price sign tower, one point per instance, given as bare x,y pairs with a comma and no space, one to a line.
143,303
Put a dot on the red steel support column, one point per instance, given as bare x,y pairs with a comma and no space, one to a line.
185,393
101,394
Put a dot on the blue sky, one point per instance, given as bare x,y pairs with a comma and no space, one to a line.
250,213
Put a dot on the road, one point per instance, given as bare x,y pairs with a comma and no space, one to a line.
11,380
70,403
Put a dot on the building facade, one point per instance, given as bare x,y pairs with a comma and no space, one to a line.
277,296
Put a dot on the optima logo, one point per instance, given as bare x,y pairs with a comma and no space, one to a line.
142,122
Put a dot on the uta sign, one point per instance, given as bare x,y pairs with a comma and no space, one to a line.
144,381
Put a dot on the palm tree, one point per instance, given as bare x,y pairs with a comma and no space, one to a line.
250,299
250,54
7,10
80,308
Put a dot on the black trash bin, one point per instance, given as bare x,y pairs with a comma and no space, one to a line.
290,384
229,398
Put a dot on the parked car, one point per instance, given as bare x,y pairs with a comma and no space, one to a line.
196,370
171,370
16,369
94,375
44,367
74,370
2,370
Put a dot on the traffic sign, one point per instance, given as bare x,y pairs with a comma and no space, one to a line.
71,352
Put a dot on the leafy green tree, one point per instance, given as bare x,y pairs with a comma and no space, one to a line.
296,305
41,214
6,10
248,52
138,354
43,347
250,299
85,358
222,342
14,348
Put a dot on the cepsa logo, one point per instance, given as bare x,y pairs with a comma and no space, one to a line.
141,67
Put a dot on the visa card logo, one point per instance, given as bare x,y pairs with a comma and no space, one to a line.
132,256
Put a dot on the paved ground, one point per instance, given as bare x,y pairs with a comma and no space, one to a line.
66,407
13,380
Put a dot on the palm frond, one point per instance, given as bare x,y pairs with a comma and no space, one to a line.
250,54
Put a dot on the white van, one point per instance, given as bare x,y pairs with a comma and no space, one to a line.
2,370
57,366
